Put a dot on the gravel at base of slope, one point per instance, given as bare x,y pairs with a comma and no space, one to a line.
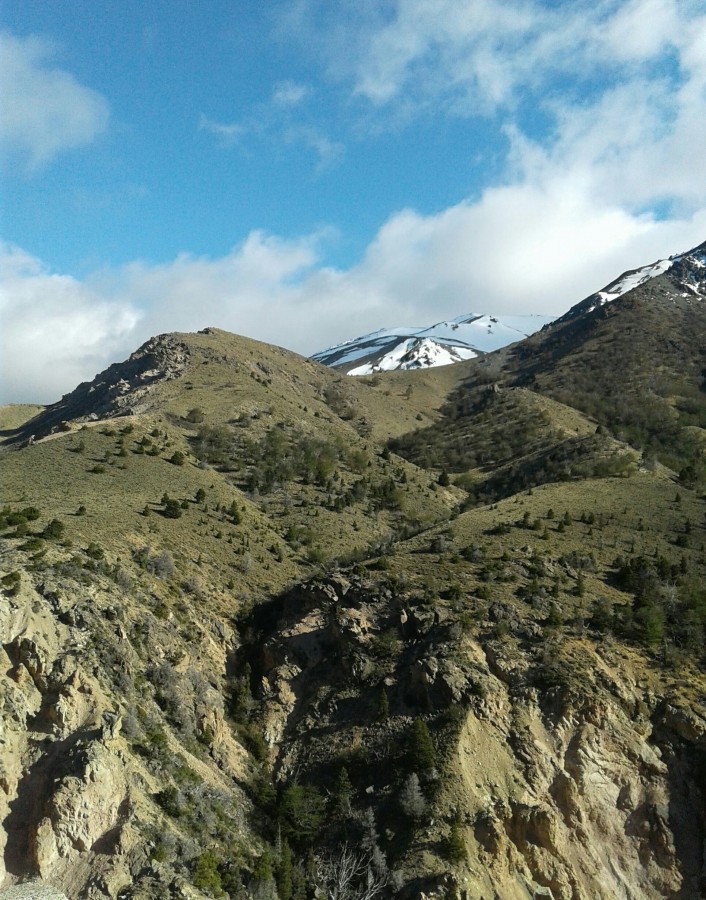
34,891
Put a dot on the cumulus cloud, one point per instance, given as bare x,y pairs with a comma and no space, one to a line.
522,249
493,51
56,331
44,110
607,68
613,182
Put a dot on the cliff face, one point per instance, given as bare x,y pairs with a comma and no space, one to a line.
79,772
65,795
566,770
588,786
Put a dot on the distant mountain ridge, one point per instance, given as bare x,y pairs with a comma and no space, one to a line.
412,347
469,336
686,268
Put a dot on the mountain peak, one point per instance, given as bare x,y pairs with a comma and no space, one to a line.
687,270
464,337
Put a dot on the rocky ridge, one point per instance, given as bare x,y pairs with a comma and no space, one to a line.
594,792
77,795
123,389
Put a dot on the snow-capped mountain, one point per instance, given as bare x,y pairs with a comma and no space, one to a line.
471,335
424,347
687,266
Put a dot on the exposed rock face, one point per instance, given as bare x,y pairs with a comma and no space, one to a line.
122,389
591,789
31,891
85,811
75,800
583,804
588,791
65,795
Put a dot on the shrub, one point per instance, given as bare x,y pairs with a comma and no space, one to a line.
252,740
94,551
412,800
171,801
11,582
161,564
195,415
172,509
177,458
206,876
54,530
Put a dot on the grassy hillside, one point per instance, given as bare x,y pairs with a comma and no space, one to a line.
260,616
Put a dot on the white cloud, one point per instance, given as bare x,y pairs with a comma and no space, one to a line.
491,51
640,29
56,331
431,47
44,110
522,248
280,120
572,214
290,93
227,132
327,151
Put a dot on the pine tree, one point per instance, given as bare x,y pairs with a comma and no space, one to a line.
422,752
383,711
284,871
342,792
455,845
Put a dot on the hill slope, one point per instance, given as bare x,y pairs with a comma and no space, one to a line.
438,630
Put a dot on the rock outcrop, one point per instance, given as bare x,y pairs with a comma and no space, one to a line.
122,389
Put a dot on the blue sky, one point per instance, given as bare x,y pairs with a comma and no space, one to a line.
302,172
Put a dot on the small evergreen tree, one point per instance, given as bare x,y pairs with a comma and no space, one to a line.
342,793
422,753
172,509
284,871
455,845
54,530
383,710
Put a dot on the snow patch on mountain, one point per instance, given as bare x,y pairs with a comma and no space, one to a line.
415,353
441,344
687,271
693,260
635,278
